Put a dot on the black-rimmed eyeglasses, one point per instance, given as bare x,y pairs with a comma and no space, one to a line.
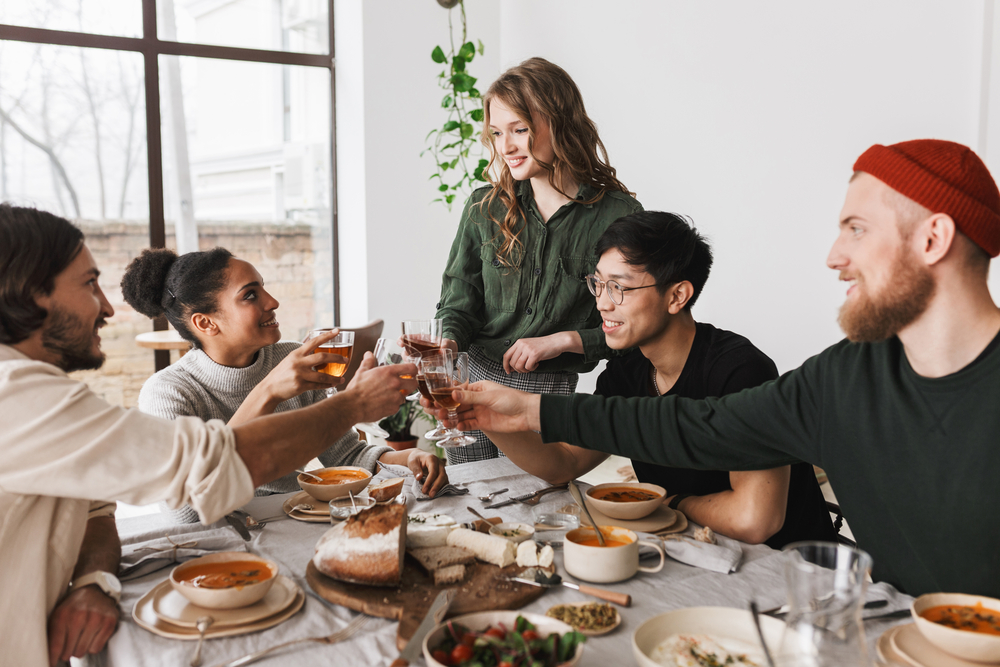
615,291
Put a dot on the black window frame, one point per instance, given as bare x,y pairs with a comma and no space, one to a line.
151,47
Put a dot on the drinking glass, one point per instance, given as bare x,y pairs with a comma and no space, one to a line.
826,591
552,521
342,344
444,372
425,334
388,353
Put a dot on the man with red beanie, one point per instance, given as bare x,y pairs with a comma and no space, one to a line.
902,414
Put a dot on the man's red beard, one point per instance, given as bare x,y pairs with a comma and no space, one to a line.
876,317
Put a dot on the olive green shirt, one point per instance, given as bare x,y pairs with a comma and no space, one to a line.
488,304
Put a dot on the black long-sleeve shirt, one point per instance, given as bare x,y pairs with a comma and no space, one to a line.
915,460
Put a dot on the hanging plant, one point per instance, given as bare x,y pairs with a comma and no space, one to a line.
451,143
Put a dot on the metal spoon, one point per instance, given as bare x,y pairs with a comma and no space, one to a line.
489,496
575,492
309,474
203,624
478,514
760,633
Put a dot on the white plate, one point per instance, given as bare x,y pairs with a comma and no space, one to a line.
716,621
909,643
145,617
176,609
885,650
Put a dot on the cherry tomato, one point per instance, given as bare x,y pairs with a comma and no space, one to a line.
461,653
468,639
505,664
441,656
529,635
496,633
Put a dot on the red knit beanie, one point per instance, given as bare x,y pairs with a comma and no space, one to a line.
946,178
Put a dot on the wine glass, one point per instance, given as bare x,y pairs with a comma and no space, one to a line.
388,353
444,372
342,344
420,337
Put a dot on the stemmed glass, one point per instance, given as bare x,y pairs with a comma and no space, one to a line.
342,344
444,372
389,353
421,337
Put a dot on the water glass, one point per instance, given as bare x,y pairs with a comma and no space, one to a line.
552,521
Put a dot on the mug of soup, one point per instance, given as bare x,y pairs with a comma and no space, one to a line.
586,559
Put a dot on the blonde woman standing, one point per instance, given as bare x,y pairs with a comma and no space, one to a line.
513,291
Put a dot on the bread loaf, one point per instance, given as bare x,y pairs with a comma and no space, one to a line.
367,548
386,490
487,548
449,575
435,558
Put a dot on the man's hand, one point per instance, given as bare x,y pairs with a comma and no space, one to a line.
81,624
378,391
497,408
427,468
525,354
295,374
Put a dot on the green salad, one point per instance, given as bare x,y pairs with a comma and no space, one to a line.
498,646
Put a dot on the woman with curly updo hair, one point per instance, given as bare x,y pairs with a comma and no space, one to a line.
239,368
514,293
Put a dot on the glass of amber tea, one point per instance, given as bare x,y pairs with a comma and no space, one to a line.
341,344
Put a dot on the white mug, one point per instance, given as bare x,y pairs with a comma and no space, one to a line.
603,565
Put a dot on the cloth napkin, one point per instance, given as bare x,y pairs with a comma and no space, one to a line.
412,488
724,556
138,560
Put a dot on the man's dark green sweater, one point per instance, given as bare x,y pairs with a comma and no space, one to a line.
915,461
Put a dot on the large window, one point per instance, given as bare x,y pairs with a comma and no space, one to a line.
186,124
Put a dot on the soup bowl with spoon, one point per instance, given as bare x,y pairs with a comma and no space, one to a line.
625,501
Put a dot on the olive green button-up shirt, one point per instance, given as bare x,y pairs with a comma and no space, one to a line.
491,305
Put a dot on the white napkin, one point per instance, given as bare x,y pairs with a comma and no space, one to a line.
724,556
138,560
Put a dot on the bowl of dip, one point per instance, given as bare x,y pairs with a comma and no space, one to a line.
966,626
336,483
670,636
225,580
625,500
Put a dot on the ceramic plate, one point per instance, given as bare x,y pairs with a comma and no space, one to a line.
591,633
885,651
319,514
144,615
663,518
176,609
909,643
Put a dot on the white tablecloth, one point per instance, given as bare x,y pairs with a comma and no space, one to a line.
290,543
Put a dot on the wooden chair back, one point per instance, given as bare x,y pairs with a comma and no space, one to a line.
364,341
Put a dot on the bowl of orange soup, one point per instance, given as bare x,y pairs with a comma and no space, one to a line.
966,626
225,580
626,500
336,482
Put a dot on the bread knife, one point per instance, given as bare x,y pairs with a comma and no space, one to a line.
434,616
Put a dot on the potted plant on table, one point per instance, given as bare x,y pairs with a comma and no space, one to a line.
399,424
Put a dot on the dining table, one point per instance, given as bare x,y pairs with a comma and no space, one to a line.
291,543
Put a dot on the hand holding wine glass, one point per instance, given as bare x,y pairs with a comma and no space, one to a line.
445,372
341,343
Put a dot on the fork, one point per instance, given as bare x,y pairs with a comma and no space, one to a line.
446,490
338,636
536,497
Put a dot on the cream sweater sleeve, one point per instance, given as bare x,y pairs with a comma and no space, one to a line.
59,438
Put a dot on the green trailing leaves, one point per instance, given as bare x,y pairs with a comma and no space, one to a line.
455,141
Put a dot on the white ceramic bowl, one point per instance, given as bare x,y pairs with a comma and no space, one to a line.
716,621
627,510
224,598
327,492
974,646
515,532
545,625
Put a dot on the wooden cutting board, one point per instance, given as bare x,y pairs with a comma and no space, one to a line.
484,588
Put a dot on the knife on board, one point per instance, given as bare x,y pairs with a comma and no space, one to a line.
238,526
432,618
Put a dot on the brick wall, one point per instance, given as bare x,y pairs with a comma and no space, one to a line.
294,261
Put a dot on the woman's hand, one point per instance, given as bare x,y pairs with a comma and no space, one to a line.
296,375
525,354
425,467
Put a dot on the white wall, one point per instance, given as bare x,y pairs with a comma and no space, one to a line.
745,116
391,237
